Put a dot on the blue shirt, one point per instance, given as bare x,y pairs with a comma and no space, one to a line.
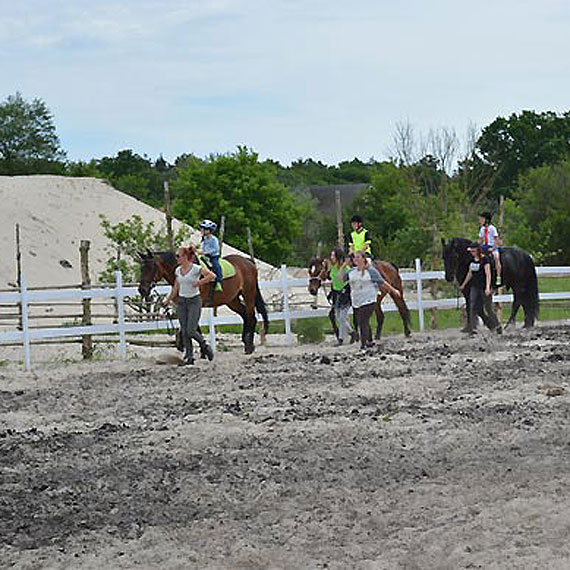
210,245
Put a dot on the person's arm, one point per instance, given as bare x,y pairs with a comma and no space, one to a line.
381,283
466,280
487,279
205,277
497,238
173,293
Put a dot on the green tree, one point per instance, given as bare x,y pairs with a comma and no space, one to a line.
247,193
128,238
136,175
512,146
538,218
28,140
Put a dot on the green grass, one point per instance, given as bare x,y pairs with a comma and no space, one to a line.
553,284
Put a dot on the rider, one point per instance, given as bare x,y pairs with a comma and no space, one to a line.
211,249
490,241
359,239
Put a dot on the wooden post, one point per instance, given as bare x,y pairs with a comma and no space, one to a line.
167,204
222,232
340,232
19,272
86,340
501,229
250,244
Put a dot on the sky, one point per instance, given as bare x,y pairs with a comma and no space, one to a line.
290,79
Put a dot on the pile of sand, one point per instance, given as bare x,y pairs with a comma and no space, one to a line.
55,213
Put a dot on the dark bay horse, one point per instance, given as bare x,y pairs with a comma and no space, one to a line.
319,271
518,271
240,293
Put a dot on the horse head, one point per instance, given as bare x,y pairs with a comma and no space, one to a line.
318,272
449,259
154,267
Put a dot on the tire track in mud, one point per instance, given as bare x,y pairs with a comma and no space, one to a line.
335,444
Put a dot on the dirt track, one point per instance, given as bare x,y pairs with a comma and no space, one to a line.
434,452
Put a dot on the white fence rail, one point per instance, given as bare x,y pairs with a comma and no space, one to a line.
26,335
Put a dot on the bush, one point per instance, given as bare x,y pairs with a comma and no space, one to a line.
309,331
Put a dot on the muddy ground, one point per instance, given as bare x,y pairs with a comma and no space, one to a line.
435,452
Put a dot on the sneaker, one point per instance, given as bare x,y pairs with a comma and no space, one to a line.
340,342
498,282
186,361
353,337
219,287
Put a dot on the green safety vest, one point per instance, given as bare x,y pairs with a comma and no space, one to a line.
358,241
337,283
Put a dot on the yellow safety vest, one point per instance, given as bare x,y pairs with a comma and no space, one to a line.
359,241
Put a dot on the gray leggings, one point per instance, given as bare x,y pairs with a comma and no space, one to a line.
189,309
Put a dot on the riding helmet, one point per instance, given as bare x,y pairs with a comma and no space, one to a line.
207,225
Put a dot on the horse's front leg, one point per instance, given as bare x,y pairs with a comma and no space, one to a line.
379,315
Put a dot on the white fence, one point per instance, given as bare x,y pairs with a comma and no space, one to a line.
26,335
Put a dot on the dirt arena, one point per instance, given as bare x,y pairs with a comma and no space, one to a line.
435,452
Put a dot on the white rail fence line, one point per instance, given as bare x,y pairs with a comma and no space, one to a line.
121,327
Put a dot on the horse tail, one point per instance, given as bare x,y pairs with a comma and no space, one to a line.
532,293
261,308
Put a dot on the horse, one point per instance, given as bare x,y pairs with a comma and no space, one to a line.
240,293
518,272
319,271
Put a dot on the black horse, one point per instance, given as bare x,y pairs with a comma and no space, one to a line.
518,274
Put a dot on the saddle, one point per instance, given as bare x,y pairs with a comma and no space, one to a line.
228,270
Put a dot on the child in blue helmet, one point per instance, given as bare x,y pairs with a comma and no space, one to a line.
211,249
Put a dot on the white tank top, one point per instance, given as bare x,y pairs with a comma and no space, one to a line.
185,281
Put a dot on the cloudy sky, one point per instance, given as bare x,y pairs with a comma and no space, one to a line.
327,79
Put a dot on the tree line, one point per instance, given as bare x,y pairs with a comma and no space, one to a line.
432,186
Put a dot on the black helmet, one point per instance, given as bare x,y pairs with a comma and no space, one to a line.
486,215
356,218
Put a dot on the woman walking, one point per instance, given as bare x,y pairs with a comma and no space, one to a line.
185,291
340,295
365,282
480,295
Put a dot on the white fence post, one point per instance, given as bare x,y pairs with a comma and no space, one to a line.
212,329
419,286
121,316
288,335
25,322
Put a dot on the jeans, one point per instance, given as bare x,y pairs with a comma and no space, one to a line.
189,310
481,305
342,320
362,321
216,267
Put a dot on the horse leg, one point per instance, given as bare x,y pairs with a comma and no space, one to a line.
379,315
514,309
247,332
403,310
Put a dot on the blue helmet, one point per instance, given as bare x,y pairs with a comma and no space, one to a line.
207,225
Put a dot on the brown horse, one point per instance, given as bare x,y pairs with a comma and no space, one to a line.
240,293
319,271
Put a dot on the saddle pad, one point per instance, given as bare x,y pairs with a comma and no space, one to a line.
228,270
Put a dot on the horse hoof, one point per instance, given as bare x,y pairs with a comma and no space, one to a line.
249,348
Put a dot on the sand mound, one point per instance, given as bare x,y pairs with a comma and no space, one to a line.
55,213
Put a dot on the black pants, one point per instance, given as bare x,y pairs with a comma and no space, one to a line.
362,323
481,305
